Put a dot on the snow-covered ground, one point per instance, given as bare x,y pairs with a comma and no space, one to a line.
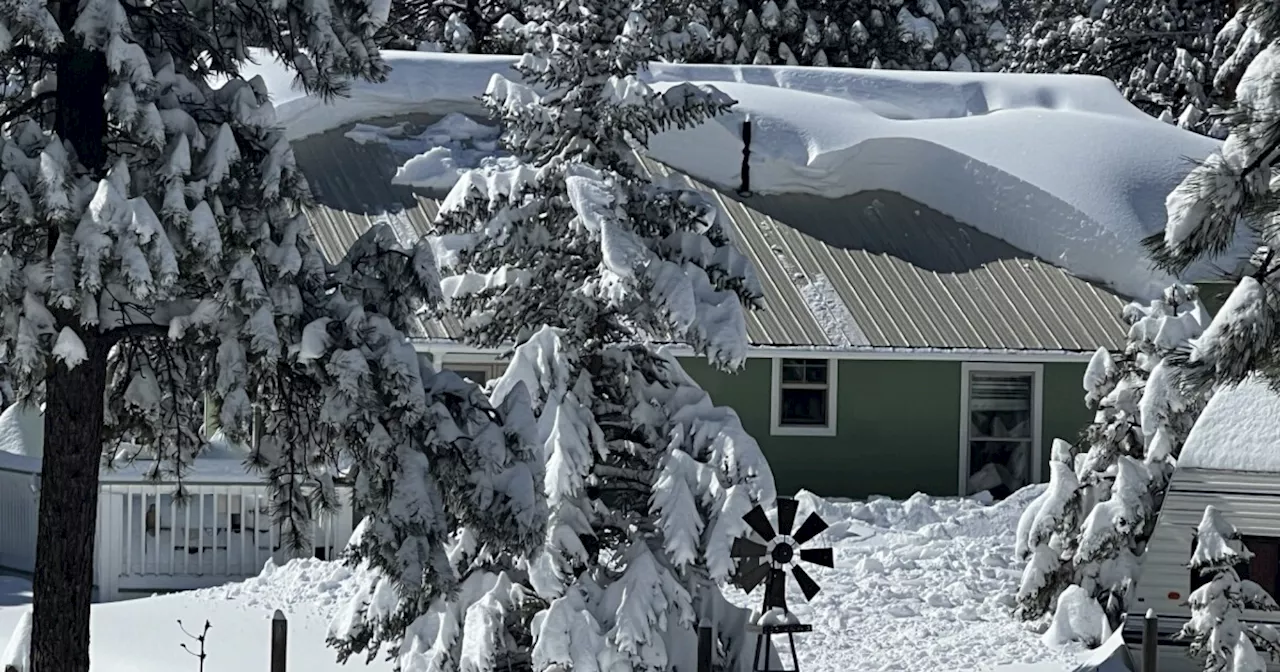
918,585
1060,166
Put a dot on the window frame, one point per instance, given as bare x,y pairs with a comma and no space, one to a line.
461,362
967,369
492,369
776,427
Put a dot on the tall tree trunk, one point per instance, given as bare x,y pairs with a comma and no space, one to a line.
63,582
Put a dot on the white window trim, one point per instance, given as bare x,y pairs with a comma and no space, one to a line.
776,428
1037,413
492,365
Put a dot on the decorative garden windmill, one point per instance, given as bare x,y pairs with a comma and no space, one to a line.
768,561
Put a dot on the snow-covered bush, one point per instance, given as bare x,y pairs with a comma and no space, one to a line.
1078,618
1217,630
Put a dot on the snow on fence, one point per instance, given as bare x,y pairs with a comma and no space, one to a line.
147,541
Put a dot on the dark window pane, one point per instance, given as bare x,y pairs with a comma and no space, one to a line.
1263,569
477,376
1000,424
792,372
804,407
1266,561
809,371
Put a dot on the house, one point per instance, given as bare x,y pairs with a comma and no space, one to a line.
940,253
1231,460
898,350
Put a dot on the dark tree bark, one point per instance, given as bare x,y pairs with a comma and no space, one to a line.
63,582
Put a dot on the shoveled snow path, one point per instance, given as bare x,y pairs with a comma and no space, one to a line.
921,585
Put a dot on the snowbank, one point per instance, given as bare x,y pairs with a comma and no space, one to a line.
1239,430
918,584
921,584
143,635
1059,166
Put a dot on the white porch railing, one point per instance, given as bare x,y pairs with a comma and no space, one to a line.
147,541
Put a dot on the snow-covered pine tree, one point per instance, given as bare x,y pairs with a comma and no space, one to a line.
1226,200
1046,537
917,35
1161,335
1109,544
1217,629
1174,59
455,503
470,26
152,251
1143,414
580,260
1141,409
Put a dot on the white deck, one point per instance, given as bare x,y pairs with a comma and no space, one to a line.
147,541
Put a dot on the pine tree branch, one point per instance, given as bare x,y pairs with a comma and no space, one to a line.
27,106
130,331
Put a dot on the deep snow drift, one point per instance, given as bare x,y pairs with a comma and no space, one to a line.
924,584
1060,166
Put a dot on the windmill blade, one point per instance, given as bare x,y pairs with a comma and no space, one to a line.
759,522
745,567
806,582
810,528
818,556
786,514
752,578
776,591
745,548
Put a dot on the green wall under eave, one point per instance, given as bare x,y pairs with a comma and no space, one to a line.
1065,414
898,424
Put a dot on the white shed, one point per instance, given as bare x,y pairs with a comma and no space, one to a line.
1231,460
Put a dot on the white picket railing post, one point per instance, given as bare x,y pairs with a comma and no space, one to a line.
108,543
144,542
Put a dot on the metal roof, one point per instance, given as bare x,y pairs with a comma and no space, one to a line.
875,269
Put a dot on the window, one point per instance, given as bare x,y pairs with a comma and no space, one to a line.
804,397
1263,569
1000,428
477,373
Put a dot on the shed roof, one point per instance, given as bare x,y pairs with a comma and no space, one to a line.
875,269
1238,430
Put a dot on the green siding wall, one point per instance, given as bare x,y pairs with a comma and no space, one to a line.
898,424
1065,414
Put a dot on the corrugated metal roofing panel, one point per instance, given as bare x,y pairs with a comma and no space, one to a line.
874,269
926,280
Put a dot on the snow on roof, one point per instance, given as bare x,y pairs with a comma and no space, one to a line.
1239,430
1061,166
